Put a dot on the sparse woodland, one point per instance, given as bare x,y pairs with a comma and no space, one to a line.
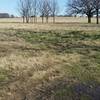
47,57
30,9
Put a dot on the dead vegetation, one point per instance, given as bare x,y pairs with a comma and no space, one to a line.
49,65
62,23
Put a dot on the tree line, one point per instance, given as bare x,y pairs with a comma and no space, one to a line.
30,9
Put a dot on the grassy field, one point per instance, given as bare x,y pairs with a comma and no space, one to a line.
49,61
58,19
78,24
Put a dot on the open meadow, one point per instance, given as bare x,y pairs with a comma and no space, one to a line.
58,61
62,23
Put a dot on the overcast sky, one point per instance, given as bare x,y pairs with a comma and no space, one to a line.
10,6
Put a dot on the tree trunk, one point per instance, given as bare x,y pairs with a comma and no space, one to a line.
53,18
97,16
89,19
42,19
46,19
34,19
23,19
27,19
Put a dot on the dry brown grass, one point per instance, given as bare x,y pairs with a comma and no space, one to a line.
58,19
23,68
62,23
47,65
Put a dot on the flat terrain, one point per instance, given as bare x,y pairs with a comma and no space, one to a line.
49,61
78,24
58,19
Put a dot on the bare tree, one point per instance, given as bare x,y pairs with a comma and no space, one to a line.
82,7
97,8
21,9
31,8
34,9
25,8
28,10
54,9
45,9
41,9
